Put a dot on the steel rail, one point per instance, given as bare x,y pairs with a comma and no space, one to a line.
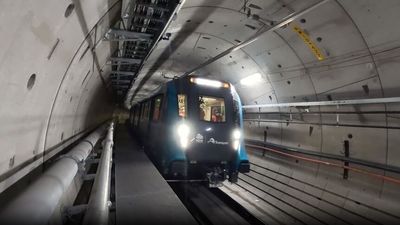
213,206
273,204
346,198
299,199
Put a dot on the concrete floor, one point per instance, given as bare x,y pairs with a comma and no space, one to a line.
142,194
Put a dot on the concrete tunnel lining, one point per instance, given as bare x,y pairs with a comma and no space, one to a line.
55,77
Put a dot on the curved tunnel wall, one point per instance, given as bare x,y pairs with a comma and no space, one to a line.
356,37
70,92
60,42
361,49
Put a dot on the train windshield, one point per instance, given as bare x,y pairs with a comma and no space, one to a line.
212,109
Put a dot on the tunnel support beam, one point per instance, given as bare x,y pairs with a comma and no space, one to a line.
99,202
37,203
125,60
124,35
127,73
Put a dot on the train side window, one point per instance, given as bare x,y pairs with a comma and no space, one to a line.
142,112
236,112
182,105
131,113
146,111
212,109
157,108
136,119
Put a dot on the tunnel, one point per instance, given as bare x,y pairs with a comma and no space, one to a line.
318,111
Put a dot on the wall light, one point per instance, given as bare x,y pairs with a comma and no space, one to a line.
251,80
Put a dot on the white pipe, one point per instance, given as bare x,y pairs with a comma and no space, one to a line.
327,103
36,204
99,202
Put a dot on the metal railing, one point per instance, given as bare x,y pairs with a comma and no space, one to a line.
37,203
285,151
328,103
97,211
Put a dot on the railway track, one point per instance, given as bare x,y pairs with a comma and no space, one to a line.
212,206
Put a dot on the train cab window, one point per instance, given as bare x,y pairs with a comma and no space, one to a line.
157,108
182,105
212,109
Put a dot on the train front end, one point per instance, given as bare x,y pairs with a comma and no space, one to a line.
208,130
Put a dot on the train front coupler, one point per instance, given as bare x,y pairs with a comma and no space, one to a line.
215,177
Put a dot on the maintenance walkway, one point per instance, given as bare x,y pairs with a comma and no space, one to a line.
142,194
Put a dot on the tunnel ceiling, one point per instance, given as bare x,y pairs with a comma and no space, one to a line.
357,39
136,32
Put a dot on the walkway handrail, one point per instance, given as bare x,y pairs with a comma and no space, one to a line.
37,203
99,202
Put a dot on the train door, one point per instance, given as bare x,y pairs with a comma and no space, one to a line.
144,118
156,132
141,118
135,116
130,119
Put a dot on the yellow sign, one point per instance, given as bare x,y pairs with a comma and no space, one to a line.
307,40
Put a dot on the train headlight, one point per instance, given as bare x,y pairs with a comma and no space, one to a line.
236,135
183,135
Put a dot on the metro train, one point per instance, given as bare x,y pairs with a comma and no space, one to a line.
192,128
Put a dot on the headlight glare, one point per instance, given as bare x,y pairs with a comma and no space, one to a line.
183,131
236,135
236,144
